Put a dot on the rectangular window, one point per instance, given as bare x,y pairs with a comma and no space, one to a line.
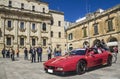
10,4
85,32
70,37
59,34
52,22
44,42
33,42
59,23
22,6
0,33
33,26
8,41
21,25
33,8
9,24
51,33
95,29
43,10
110,25
22,41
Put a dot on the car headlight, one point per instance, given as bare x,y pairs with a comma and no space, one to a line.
60,69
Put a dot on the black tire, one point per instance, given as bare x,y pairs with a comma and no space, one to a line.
45,70
109,61
81,67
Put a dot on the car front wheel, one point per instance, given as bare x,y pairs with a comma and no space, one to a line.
81,67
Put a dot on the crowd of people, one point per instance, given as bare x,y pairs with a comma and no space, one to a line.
10,53
101,44
35,53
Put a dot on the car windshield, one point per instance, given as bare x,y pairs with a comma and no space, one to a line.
77,52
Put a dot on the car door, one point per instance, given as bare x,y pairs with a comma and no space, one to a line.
94,58
98,57
104,57
91,59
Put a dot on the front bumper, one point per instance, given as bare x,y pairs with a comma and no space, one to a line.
51,71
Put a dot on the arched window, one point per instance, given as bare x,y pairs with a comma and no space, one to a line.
44,27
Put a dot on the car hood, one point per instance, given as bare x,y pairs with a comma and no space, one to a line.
62,60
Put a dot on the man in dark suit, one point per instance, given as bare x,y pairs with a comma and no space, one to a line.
33,53
39,54
3,52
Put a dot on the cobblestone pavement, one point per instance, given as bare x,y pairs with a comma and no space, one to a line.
24,69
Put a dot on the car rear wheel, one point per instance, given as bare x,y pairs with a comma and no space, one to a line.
81,67
109,61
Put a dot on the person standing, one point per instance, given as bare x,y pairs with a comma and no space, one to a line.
26,54
39,54
103,45
8,53
3,52
57,51
33,54
86,45
49,51
30,52
12,55
115,49
17,52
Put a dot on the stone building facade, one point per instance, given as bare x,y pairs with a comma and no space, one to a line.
30,23
96,26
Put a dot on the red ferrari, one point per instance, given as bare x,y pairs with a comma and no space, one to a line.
78,60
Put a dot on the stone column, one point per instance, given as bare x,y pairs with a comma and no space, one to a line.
39,33
2,27
16,26
27,26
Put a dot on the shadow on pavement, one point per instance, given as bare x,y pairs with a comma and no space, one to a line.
74,73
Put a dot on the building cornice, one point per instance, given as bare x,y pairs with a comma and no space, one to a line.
108,34
18,11
57,12
100,15
38,1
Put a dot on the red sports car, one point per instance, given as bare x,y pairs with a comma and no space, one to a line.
78,60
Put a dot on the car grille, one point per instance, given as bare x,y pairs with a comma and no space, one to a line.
50,67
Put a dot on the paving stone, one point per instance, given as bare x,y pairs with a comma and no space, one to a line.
24,69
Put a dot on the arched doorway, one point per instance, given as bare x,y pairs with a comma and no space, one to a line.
85,44
70,47
112,41
96,41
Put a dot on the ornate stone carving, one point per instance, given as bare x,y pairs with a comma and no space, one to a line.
9,28
34,30
22,29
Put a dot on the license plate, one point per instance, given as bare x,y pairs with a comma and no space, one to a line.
50,70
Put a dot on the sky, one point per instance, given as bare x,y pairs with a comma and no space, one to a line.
75,9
